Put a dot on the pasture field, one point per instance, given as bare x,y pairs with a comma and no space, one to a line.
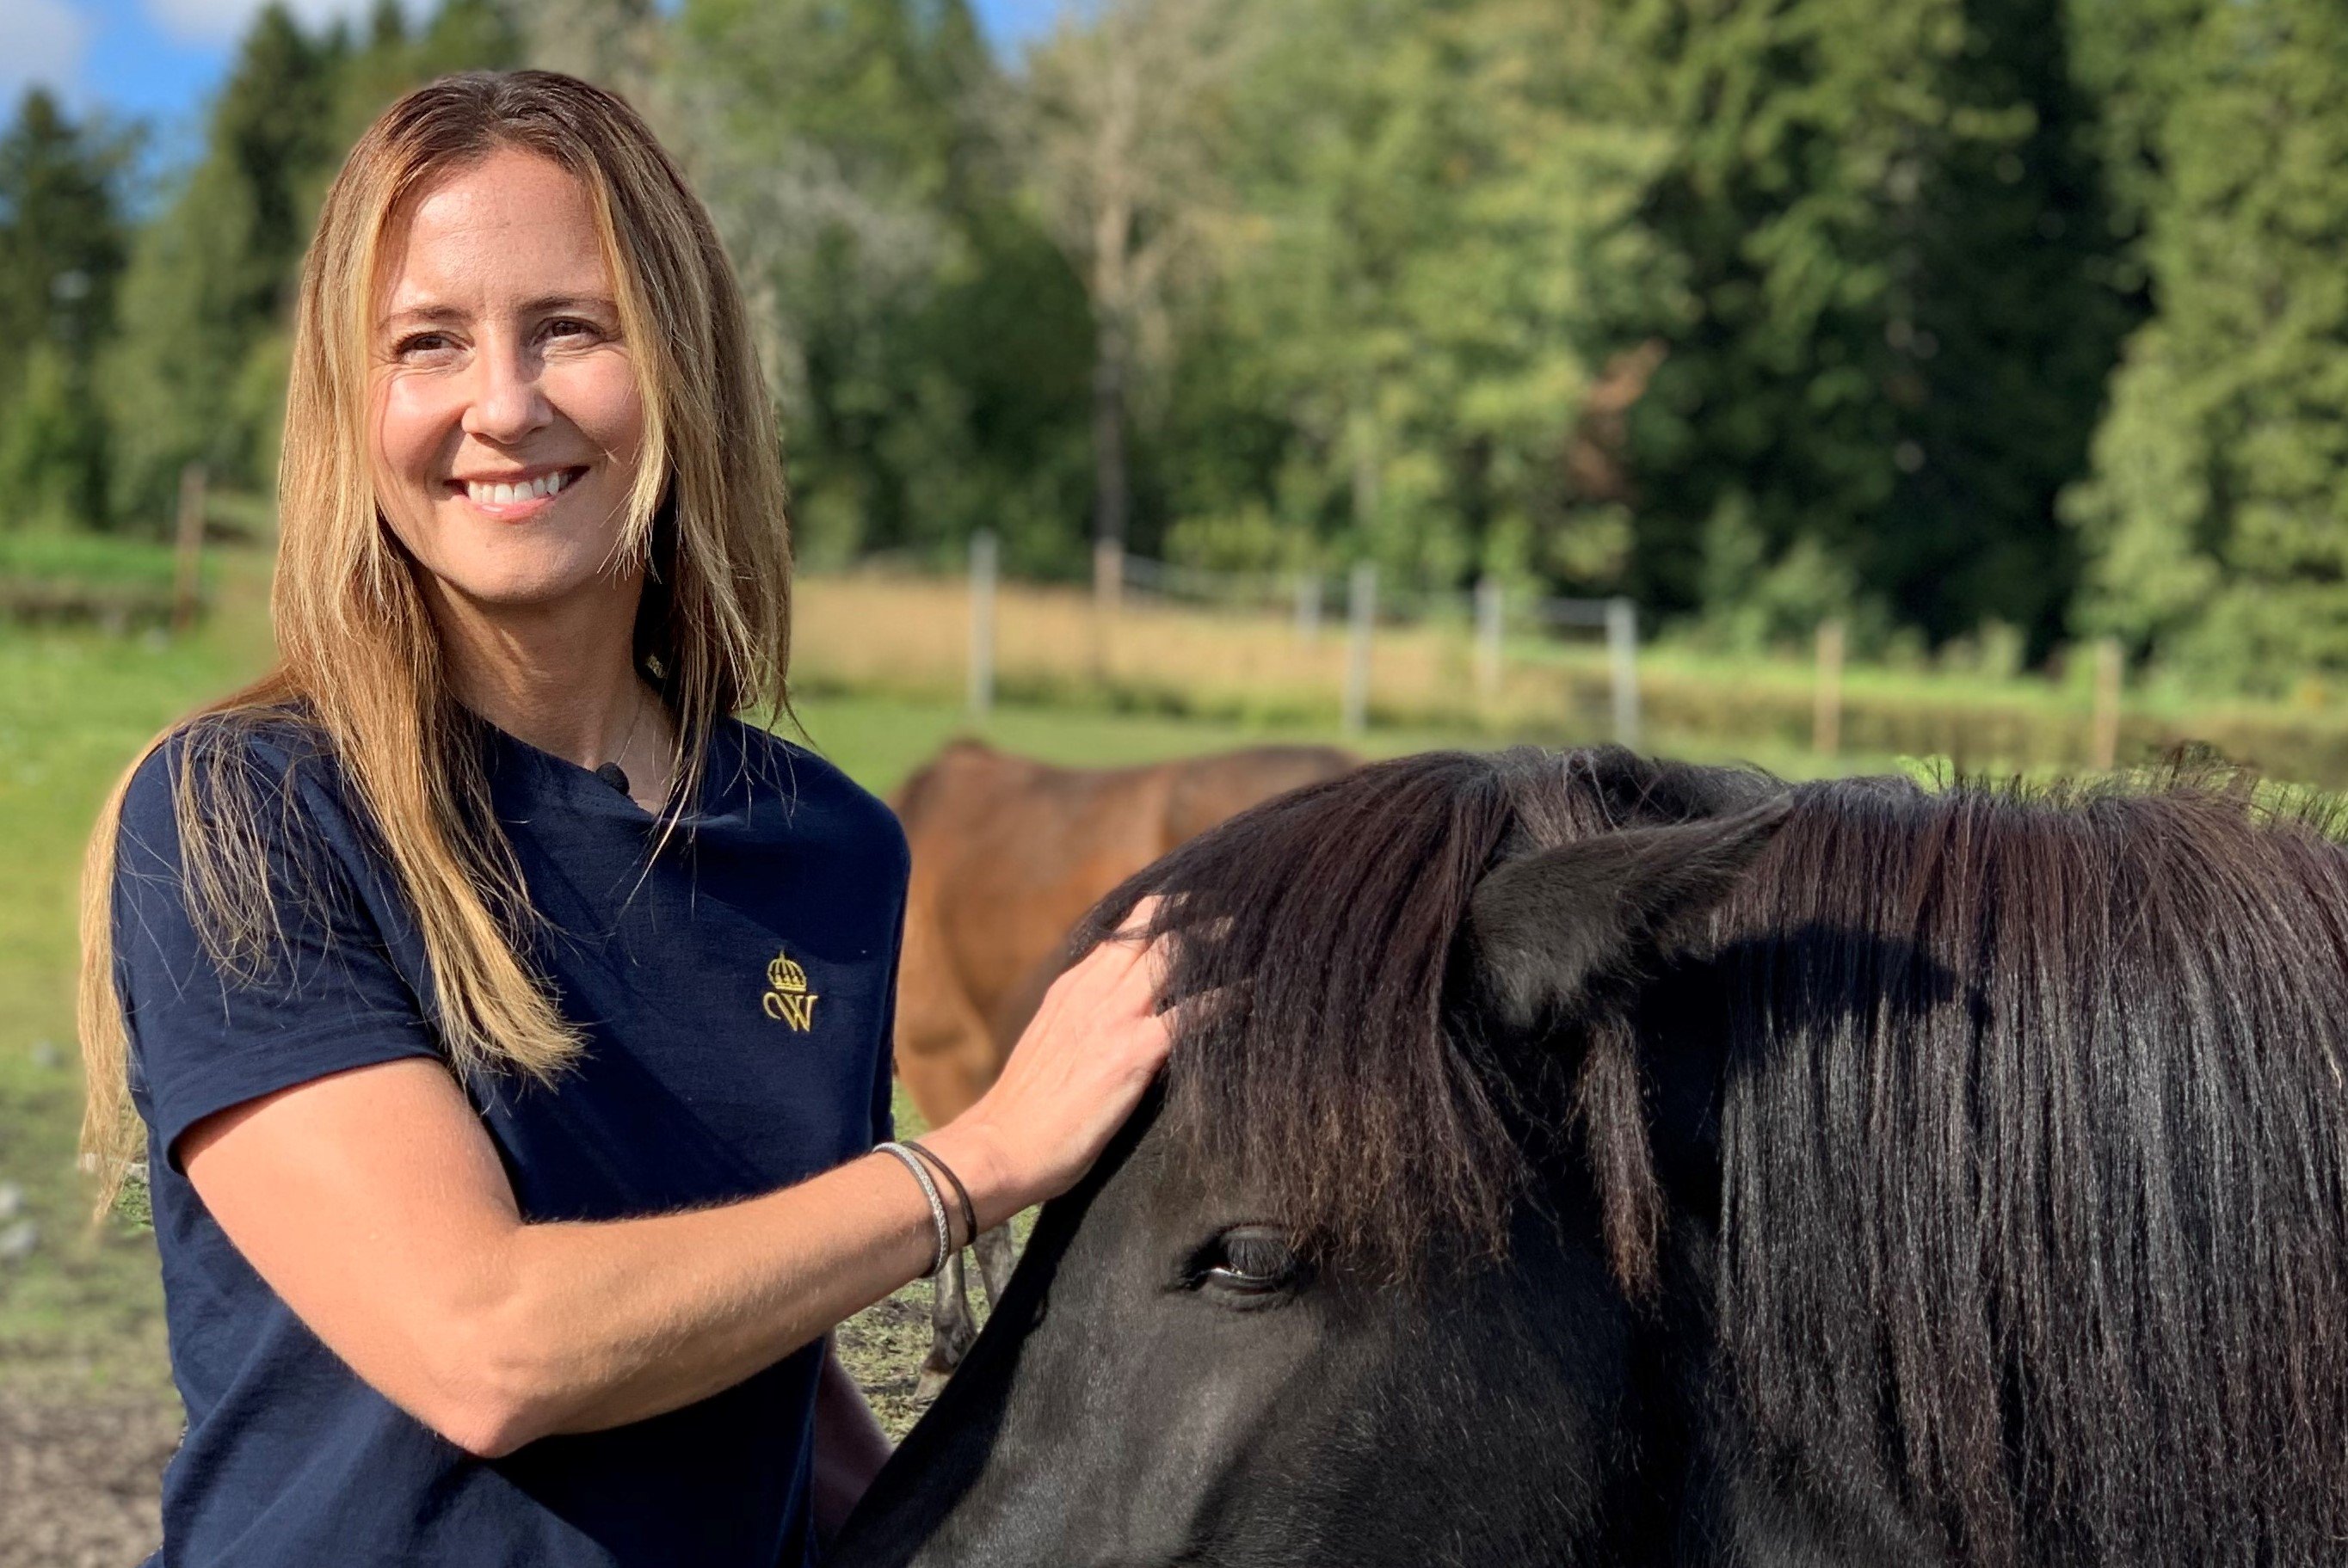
1252,664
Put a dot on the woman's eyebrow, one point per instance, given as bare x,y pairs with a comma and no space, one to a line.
443,314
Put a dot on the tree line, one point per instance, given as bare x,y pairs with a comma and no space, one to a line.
1976,324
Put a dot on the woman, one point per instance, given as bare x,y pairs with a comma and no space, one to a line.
507,1022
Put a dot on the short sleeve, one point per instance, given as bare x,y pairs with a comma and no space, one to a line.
324,994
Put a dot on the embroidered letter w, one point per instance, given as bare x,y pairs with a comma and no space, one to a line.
796,1008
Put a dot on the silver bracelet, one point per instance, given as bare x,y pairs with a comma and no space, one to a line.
912,1163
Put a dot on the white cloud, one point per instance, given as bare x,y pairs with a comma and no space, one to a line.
223,21
41,41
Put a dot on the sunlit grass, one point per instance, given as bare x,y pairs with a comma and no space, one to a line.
874,632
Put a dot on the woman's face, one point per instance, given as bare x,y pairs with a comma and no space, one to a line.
506,423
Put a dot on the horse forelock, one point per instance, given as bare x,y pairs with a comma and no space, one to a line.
1328,1074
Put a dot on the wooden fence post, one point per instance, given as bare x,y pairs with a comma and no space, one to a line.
1825,720
1362,613
1308,609
1488,640
1622,655
981,623
1108,592
2106,737
188,549
1108,575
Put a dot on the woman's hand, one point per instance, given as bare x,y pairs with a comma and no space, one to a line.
1079,1068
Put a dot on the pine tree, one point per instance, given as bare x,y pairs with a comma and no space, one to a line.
397,55
210,276
2134,59
2010,277
62,245
62,238
2217,518
467,36
52,447
1888,223
1123,141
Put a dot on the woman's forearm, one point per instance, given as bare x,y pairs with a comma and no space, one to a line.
596,1324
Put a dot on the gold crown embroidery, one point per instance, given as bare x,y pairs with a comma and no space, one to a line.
788,999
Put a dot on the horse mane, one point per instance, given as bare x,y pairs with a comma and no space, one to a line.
1330,1072
2035,1167
2033,1226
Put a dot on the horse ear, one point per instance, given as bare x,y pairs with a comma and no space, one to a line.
1550,935
1638,788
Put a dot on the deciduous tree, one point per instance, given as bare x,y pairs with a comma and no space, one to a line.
926,343
1126,138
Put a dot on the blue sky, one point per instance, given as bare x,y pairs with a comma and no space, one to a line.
159,59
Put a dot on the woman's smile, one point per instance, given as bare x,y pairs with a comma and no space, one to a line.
518,495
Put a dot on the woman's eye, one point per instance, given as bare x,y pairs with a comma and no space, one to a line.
566,327
1248,1260
423,343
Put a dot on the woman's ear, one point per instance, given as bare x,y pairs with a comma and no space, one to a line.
1564,934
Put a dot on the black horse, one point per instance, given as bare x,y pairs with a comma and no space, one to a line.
1582,1160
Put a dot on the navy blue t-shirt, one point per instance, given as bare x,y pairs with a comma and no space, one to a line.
736,992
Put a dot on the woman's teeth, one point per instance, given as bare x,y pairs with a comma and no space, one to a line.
506,494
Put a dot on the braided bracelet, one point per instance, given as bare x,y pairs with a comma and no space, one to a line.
969,1211
912,1163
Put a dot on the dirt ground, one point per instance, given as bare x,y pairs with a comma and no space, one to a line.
78,1475
80,1472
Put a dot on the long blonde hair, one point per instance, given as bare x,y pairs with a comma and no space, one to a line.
356,648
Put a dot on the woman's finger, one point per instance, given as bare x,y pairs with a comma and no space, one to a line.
1203,1009
1132,933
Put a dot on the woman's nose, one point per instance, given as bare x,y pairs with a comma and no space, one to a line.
509,401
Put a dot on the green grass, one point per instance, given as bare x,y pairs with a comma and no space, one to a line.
87,557
75,707
51,578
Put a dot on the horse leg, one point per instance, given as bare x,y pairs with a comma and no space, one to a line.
951,1329
995,1261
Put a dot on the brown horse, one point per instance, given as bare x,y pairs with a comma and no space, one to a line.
1008,854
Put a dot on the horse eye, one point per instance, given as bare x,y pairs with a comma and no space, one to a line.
1248,1260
